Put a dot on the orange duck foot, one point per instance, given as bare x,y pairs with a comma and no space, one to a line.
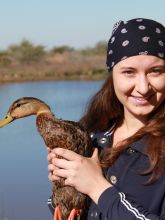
74,214
57,213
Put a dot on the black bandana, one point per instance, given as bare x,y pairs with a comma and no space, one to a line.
135,37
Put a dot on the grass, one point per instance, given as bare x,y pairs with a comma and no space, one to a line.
66,66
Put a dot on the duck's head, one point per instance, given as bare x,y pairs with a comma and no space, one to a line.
24,107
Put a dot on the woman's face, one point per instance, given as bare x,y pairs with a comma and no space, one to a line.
139,84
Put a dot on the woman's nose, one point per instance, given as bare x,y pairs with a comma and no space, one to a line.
142,84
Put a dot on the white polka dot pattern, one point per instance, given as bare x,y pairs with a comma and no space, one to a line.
135,37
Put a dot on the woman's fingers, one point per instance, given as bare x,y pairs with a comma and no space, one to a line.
68,165
58,167
52,177
56,173
50,156
51,167
64,153
67,154
62,163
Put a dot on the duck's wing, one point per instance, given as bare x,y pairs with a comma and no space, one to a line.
65,134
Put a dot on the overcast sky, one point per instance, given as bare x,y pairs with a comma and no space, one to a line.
76,23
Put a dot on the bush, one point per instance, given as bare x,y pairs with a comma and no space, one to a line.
62,49
4,59
26,52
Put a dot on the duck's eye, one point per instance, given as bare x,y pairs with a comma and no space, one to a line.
18,105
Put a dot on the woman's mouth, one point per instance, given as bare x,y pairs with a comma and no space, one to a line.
137,100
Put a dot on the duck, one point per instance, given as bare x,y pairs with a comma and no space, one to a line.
68,202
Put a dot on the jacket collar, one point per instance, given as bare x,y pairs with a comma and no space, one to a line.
140,145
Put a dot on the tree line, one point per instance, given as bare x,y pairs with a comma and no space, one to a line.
26,52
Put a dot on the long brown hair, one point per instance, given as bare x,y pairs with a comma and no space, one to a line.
104,109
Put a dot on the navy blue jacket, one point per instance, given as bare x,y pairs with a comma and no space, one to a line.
129,198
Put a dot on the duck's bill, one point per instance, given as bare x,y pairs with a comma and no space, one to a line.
7,119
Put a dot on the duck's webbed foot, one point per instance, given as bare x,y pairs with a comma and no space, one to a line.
74,214
57,213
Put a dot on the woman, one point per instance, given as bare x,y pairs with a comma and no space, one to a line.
127,119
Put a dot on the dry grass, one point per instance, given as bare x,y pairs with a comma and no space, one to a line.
67,66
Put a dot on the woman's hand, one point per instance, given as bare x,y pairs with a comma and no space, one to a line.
85,174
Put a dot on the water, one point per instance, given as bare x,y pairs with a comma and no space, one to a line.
24,186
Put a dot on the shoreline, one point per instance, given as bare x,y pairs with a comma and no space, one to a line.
82,77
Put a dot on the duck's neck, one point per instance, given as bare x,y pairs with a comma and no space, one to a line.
46,112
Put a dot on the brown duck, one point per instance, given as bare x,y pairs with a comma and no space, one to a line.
70,204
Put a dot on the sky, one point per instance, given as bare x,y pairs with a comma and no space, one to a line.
75,23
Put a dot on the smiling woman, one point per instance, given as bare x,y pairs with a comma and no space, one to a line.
126,119
139,83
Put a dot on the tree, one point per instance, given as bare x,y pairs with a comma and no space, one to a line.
4,58
26,52
62,49
100,47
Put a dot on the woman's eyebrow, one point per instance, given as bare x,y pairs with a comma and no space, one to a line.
158,66
127,67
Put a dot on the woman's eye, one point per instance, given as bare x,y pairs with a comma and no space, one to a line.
156,72
128,73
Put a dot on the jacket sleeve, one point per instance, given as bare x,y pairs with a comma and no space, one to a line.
50,205
115,205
